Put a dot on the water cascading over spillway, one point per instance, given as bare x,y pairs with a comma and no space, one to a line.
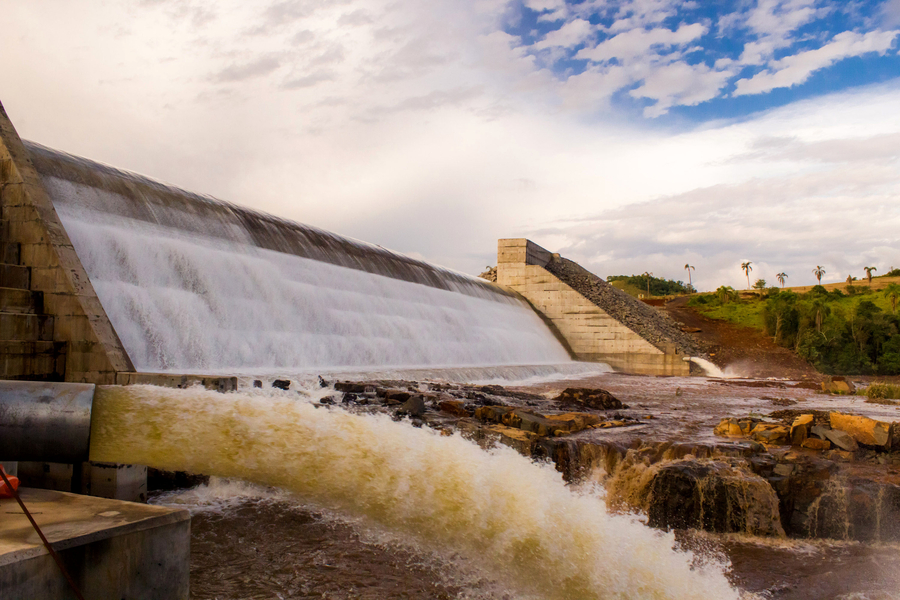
516,518
194,284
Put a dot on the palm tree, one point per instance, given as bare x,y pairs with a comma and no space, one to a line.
892,291
747,268
649,275
818,272
868,271
689,268
780,277
725,293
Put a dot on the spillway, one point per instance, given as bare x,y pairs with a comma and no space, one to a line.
194,284
514,517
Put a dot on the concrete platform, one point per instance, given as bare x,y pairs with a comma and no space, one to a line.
114,550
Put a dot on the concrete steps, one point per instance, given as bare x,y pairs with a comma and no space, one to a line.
23,302
33,361
27,349
15,276
25,327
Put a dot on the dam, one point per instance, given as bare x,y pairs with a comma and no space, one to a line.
109,279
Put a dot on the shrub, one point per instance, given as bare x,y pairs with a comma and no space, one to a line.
883,391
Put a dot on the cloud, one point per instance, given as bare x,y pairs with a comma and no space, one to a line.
569,35
427,129
637,43
256,68
795,69
680,84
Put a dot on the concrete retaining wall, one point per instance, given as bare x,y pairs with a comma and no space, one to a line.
591,333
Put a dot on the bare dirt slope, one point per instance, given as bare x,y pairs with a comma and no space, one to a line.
744,350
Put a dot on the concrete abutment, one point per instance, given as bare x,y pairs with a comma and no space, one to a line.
590,332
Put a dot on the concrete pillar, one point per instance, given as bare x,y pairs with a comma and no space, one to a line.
115,481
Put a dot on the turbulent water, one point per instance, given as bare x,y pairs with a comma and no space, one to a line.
199,295
515,517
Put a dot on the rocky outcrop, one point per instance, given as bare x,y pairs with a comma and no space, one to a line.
654,326
712,495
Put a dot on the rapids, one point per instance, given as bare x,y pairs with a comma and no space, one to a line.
515,517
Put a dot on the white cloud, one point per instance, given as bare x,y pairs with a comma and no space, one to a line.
637,43
424,129
796,69
571,34
680,84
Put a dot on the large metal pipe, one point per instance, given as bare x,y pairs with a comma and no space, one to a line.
47,422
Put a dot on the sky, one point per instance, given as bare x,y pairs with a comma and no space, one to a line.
628,135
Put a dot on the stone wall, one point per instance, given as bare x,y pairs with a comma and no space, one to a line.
592,333
47,264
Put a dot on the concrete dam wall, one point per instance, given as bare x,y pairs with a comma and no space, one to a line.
108,273
598,322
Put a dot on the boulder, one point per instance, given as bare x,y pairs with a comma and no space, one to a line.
729,427
770,433
453,407
576,421
281,384
841,439
395,394
800,429
864,430
591,398
713,496
414,407
816,444
838,385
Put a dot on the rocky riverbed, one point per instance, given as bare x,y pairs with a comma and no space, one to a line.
694,455
759,457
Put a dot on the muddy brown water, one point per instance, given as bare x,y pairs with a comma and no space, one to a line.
252,544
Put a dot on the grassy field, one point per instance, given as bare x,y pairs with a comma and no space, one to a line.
878,283
749,309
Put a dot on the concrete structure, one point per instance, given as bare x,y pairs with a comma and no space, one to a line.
49,312
112,549
589,331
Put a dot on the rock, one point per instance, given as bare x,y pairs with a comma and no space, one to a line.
454,407
350,387
592,398
841,455
864,430
816,444
819,431
414,407
573,422
770,433
282,384
800,429
492,413
838,385
729,427
712,496
257,383
327,400
395,394
841,439
784,469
